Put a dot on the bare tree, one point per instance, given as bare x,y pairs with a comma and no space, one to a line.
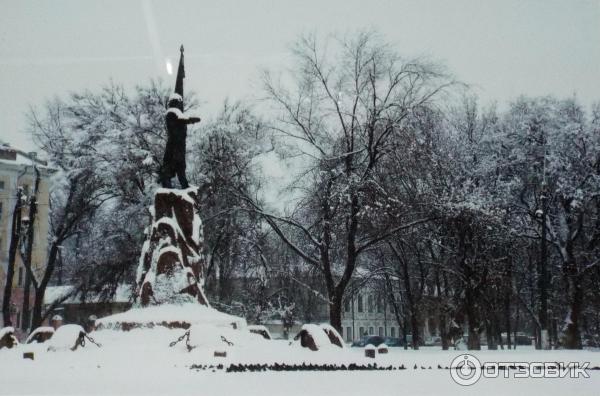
12,255
343,113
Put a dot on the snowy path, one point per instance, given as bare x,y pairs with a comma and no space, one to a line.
106,381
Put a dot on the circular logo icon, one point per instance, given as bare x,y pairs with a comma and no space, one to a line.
465,369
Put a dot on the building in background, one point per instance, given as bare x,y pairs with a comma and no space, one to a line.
76,306
17,170
367,311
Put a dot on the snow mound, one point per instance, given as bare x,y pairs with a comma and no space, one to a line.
321,339
40,335
211,336
6,330
317,337
334,337
261,330
7,337
67,337
170,315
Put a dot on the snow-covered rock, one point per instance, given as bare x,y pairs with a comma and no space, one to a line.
40,335
261,330
7,337
334,337
67,337
316,337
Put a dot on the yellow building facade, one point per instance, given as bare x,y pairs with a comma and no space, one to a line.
17,170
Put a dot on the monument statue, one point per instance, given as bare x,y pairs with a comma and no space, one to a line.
176,123
171,267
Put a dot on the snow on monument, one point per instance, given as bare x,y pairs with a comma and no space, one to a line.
170,268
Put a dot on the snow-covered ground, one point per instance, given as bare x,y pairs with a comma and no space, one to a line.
141,362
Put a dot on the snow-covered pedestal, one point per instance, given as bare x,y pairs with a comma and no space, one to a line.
171,263
170,273
171,316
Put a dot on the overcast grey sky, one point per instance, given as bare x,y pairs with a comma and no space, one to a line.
504,48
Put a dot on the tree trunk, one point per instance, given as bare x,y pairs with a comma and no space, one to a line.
473,341
465,235
25,311
575,296
442,314
12,254
572,333
337,297
555,333
414,321
507,296
444,333
490,333
517,317
405,333
499,334
394,303
335,312
447,340
36,319
27,259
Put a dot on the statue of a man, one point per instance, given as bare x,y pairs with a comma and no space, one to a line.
174,158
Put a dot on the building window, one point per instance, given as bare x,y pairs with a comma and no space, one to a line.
393,331
1,208
370,303
361,331
380,331
20,278
348,333
360,303
1,185
347,306
370,330
379,305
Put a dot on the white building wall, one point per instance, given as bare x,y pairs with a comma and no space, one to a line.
368,317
